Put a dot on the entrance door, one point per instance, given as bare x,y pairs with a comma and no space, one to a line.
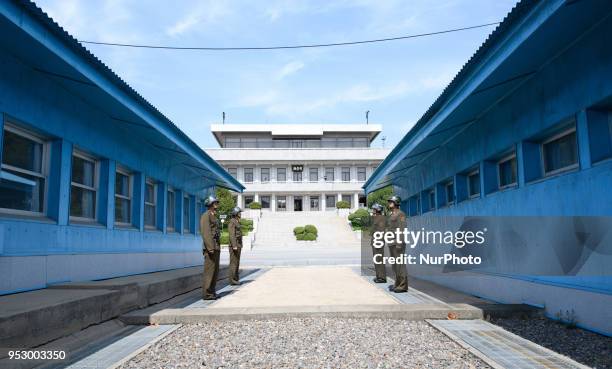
297,203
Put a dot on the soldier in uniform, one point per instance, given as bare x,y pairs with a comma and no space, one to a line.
211,247
397,219
235,246
378,225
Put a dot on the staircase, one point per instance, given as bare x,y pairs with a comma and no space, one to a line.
276,229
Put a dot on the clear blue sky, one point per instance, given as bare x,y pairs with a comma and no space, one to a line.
397,81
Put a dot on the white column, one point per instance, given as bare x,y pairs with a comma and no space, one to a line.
239,200
339,196
355,200
273,202
256,197
322,203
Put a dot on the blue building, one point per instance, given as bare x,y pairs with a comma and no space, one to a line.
95,182
522,137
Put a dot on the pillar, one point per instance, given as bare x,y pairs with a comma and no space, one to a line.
356,200
273,202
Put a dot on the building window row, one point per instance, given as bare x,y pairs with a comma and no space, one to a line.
550,153
326,142
297,176
24,185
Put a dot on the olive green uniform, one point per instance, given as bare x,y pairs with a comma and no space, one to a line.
395,220
378,225
235,247
211,248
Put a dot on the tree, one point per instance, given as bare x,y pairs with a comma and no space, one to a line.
226,201
380,196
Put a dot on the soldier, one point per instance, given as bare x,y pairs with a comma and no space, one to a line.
378,225
211,247
235,246
397,219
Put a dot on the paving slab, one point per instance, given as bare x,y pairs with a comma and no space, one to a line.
305,286
500,348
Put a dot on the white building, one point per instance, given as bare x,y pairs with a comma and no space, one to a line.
299,167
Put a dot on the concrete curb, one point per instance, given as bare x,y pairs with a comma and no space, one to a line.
402,312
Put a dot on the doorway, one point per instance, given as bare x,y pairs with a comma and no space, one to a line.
297,203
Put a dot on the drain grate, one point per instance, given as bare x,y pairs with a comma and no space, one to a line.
501,348
120,351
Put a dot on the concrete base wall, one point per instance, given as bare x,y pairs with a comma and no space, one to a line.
21,273
591,310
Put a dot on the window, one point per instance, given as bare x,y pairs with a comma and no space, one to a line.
248,200
248,175
232,142
186,213
248,142
265,175
346,174
281,174
345,142
22,186
418,205
313,174
329,174
83,186
474,184
233,172
150,204
449,188
297,176
281,203
265,202
507,171
560,152
297,144
171,211
314,202
123,197
361,174
432,200
330,201
349,199
360,142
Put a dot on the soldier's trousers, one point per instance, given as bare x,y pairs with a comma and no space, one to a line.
211,273
234,265
381,273
401,276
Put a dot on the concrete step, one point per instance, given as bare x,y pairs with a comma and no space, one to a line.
33,318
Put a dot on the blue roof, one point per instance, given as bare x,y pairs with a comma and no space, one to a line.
84,68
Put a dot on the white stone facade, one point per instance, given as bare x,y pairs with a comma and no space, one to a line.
299,178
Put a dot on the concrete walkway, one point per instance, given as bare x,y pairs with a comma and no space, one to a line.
306,286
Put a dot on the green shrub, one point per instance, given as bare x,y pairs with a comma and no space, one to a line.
224,238
300,236
359,218
309,228
298,230
246,225
343,204
254,205
309,237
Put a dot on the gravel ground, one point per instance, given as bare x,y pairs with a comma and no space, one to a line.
306,343
586,347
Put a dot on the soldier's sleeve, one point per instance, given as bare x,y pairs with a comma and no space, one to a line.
233,240
207,236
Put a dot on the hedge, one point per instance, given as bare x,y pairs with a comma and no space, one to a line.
310,237
343,204
298,230
359,218
254,205
309,228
